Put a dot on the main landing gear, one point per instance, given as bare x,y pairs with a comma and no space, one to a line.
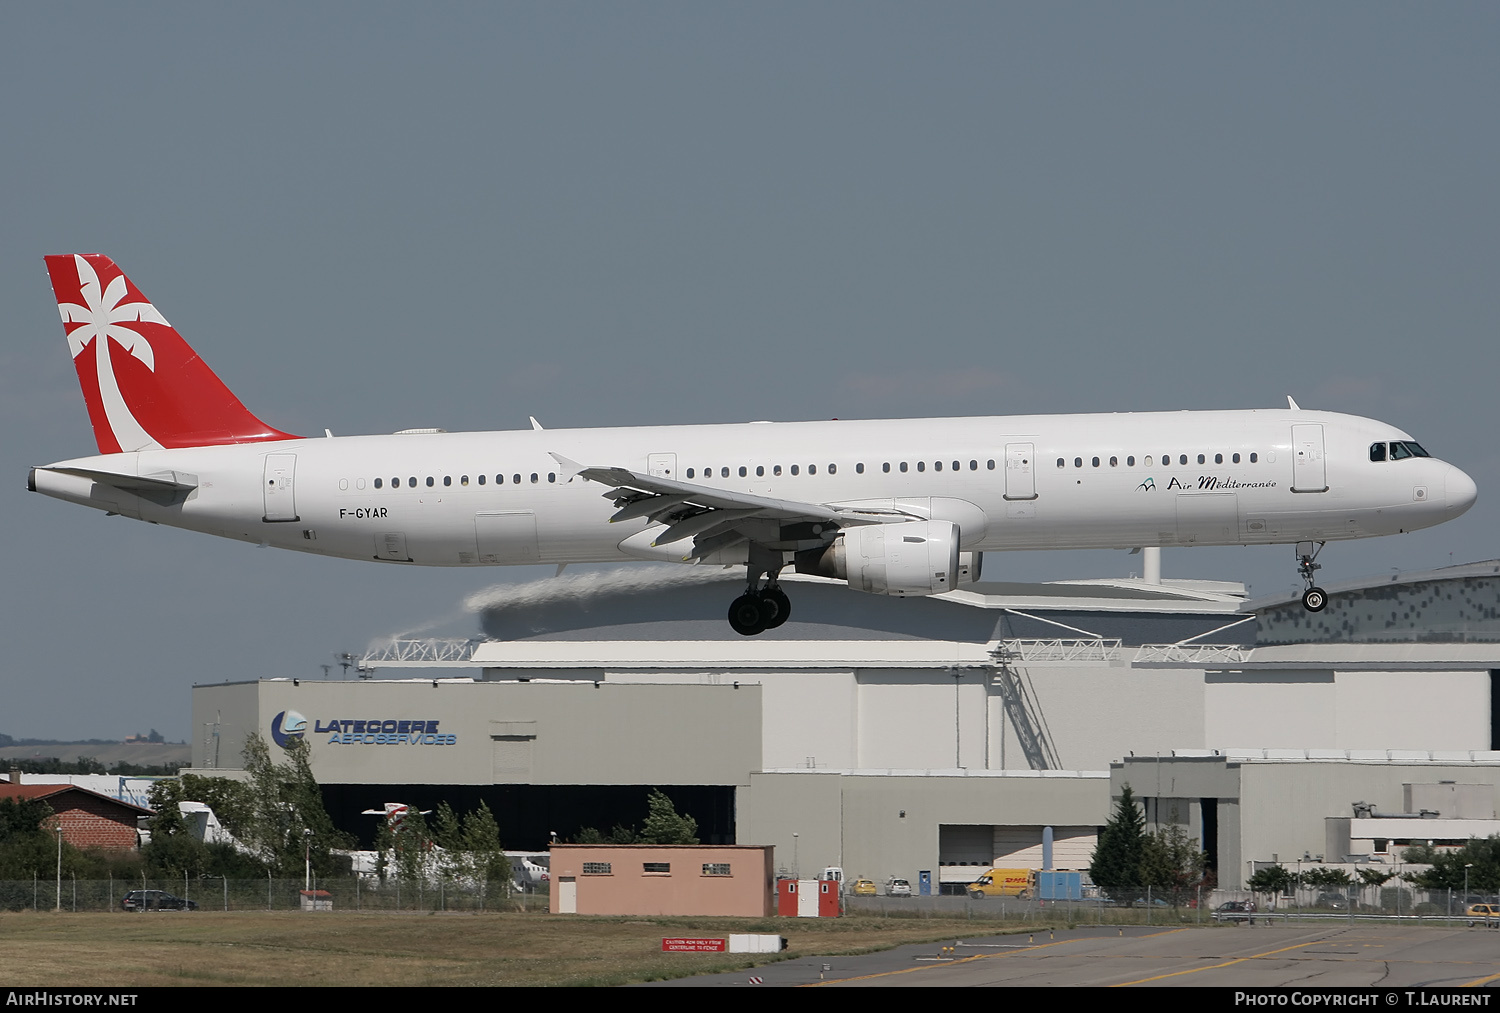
1314,599
760,608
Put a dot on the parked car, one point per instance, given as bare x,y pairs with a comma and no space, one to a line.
864,888
1337,901
1235,911
897,888
155,900
1487,915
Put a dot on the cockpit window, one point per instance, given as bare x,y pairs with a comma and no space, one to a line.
1399,449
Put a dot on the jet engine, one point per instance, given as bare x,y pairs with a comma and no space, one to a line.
909,558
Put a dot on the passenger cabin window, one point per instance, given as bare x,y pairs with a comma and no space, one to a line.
377,483
1254,458
1236,458
1061,463
859,469
1182,459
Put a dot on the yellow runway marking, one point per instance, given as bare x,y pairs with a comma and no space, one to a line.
966,960
1227,963
1479,981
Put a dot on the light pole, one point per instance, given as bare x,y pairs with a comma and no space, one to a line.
307,858
796,871
59,866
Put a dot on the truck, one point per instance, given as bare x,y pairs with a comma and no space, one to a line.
1019,883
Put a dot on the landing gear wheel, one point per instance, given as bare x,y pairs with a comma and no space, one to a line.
782,606
747,615
1315,599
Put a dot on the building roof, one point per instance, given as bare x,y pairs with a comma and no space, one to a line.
47,791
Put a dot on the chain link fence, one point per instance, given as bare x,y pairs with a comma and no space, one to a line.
350,893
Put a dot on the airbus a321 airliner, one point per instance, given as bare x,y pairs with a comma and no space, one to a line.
894,507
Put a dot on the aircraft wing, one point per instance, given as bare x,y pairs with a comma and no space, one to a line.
720,518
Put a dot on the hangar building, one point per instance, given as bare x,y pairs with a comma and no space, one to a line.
918,738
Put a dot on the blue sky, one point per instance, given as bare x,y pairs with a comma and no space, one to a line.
371,217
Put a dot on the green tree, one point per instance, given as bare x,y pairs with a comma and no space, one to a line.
1172,863
1326,879
285,803
663,824
1374,877
1116,864
1273,879
481,838
1479,858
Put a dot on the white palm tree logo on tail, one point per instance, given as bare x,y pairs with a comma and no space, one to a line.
102,318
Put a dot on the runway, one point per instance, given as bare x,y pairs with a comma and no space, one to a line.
1378,957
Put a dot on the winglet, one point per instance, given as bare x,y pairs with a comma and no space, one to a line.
1292,404
534,423
569,466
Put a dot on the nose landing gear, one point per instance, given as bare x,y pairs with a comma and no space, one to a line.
1314,599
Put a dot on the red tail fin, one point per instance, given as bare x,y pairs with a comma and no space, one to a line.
144,387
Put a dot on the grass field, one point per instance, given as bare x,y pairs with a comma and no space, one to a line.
341,949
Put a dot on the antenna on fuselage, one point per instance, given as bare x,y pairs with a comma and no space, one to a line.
1289,403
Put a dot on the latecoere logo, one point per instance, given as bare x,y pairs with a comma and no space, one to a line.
287,727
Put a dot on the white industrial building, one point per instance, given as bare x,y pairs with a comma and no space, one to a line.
917,738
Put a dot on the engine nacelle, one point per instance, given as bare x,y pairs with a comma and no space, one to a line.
910,558
970,565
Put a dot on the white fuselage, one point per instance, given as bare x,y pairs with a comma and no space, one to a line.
1026,482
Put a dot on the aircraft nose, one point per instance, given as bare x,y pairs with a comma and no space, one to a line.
1460,490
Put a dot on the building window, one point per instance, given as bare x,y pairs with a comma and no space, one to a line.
715,868
597,869
656,867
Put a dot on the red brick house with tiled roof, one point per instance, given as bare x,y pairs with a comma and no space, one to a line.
89,819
